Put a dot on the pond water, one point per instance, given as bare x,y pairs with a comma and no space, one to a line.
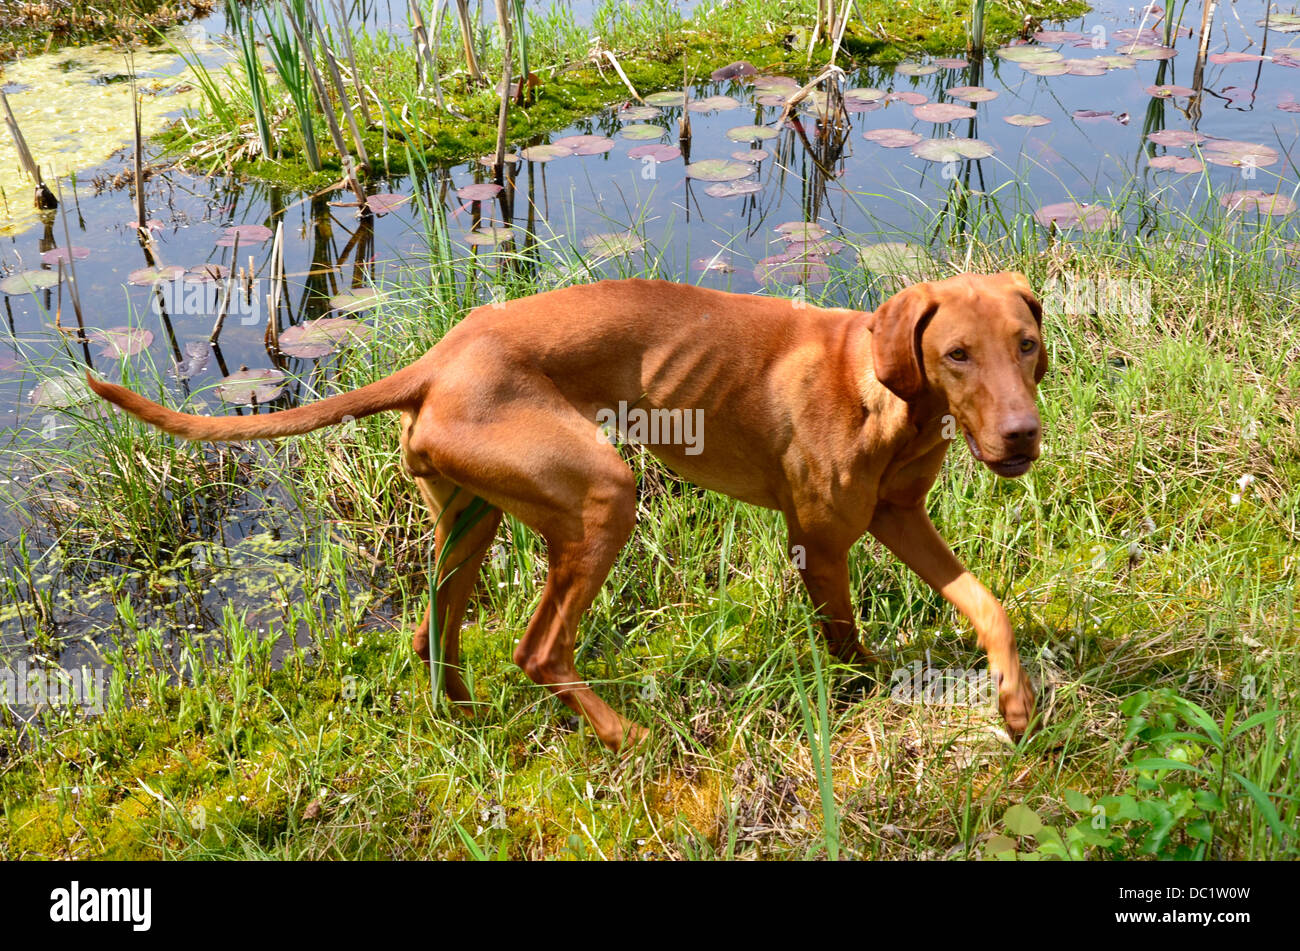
1103,112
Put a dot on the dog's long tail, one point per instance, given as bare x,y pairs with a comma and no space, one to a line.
401,389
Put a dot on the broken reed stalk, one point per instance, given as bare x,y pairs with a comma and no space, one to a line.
346,35
137,170
337,78
684,123
841,23
503,113
623,76
73,291
830,71
43,198
322,94
225,299
274,294
467,37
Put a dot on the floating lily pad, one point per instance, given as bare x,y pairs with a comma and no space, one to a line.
1029,54
782,269
1234,153
1176,138
666,98
1289,105
775,84
750,133
510,158
714,104
1116,61
318,338
718,262
732,189
1092,113
29,282
349,302
146,276
940,112
1221,59
1282,22
658,152
951,150
62,390
251,386
641,132
118,342
909,98
1028,120
637,114
247,234
751,155
972,93
771,99
915,69
1085,67
489,236
545,152
1184,165
719,170
893,138
1046,69
1167,91
53,256
864,94
815,248
482,191
801,230
613,243
1266,203
207,273
382,204
1073,214
1057,36
586,144
951,62
895,258
1142,51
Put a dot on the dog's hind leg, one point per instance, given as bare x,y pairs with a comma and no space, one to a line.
465,528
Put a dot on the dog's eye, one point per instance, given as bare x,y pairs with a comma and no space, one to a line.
957,355
1027,345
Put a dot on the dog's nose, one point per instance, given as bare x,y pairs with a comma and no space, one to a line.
1020,431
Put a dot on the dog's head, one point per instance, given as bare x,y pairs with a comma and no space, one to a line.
972,344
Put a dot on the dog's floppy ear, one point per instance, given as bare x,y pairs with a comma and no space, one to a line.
1026,291
896,328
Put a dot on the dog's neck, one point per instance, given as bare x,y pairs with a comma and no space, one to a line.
923,414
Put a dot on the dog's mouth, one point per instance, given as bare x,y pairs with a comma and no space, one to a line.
1007,468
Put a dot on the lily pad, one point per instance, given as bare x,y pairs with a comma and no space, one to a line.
732,189
382,204
909,98
940,112
915,69
775,84
482,191
951,150
753,156
782,269
1117,61
667,98
1073,214
53,256
545,152
1028,54
1266,203
1221,59
1057,36
972,93
146,276
892,138
750,133
639,132
207,273
658,152
612,244
718,262
733,71
714,104
1167,91
510,158
247,234
349,302
318,338
29,282
1028,120
251,386
1176,138
801,230
1085,67
951,62
489,236
719,170
118,342
864,94
638,114
1143,51
62,390
1046,69
1233,153
586,144
1183,164
1282,22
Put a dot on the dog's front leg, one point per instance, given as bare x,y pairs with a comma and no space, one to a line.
824,567
909,534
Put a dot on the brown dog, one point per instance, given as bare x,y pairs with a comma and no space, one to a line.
838,418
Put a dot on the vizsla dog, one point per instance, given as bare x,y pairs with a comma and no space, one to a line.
838,418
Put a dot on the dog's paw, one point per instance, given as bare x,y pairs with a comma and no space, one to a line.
1016,703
